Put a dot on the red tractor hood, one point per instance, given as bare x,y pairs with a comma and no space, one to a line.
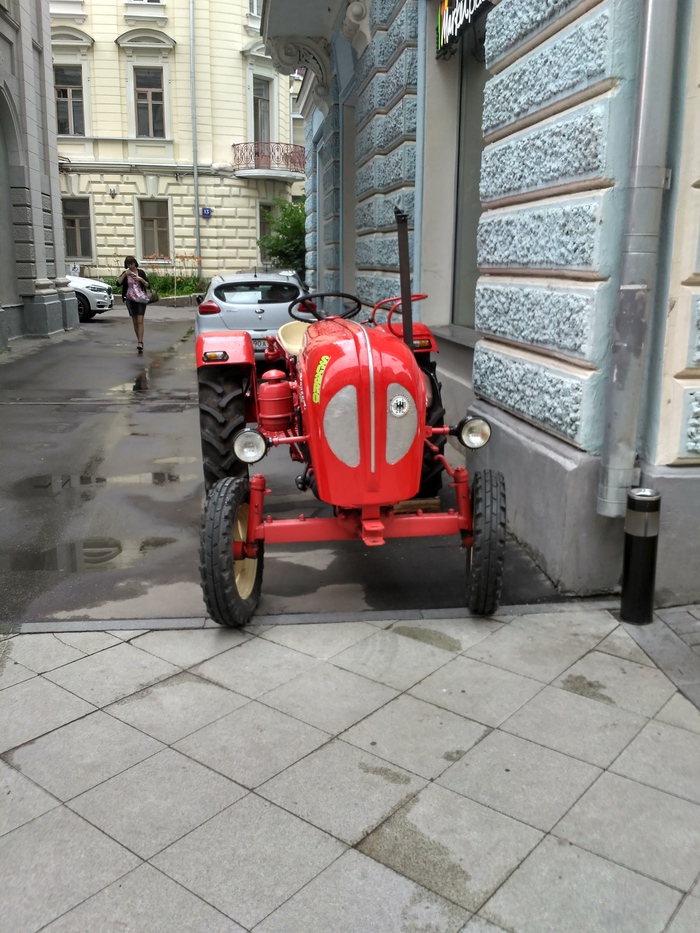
363,401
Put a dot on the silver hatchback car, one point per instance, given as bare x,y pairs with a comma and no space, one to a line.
253,301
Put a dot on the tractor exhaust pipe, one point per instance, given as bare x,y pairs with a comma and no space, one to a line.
405,277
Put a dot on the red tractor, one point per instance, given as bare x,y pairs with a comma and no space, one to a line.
358,404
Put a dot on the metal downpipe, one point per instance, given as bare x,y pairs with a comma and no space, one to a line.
195,156
639,255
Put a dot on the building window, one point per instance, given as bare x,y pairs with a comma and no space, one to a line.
261,110
155,229
254,7
150,116
76,228
70,114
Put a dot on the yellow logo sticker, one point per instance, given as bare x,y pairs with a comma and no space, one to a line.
318,378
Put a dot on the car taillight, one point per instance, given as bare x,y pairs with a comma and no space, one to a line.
209,307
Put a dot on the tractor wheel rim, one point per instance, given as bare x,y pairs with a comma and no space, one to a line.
244,570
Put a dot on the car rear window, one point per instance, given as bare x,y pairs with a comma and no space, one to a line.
255,292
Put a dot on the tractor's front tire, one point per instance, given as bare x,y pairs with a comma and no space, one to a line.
486,557
231,587
221,417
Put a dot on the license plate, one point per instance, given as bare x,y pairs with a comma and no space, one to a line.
260,344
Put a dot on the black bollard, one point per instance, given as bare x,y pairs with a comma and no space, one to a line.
639,565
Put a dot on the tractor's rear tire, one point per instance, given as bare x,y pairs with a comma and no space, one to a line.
221,417
485,559
431,472
231,587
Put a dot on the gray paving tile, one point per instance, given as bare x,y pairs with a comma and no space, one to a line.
255,667
356,894
88,642
52,864
253,744
156,802
560,887
454,635
476,690
680,712
416,735
11,672
665,757
128,634
109,675
526,781
669,652
144,901
249,859
172,708
479,925
187,647
687,920
42,653
321,640
619,644
586,626
34,707
639,827
531,654
81,754
342,790
575,725
20,799
631,686
392,659
426,841
329,698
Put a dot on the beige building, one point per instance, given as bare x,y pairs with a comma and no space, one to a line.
174,132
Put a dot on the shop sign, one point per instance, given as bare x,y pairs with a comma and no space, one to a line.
454,16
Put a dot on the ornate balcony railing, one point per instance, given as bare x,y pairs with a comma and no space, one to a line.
281,157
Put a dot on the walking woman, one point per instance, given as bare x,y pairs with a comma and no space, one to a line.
134,283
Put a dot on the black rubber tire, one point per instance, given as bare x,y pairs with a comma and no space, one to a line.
485,559
221,417
85,312
231,588
432,469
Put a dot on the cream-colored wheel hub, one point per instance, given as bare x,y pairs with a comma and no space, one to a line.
245,570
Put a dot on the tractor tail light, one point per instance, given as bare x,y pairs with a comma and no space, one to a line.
209,307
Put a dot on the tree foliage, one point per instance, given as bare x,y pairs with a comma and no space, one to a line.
285,245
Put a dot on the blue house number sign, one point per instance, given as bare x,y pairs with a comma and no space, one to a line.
207,211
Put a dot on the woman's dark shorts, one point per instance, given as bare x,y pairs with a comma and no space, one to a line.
135,308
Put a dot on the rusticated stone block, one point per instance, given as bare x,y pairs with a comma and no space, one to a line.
577,58
381,12
512,22
373,288
690,430
694,343
570,148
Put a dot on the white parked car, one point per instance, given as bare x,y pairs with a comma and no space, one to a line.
94,297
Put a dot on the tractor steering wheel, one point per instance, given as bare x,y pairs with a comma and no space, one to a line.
313,304
394,309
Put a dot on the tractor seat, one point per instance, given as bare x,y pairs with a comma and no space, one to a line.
291,336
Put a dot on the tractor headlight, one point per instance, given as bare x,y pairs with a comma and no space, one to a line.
249,446
474,432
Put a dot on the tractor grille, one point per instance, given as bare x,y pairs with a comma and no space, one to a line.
341,428
401,422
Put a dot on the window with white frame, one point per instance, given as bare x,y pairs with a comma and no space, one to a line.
155,229
77,234
70,112
150,102
255,7
261,109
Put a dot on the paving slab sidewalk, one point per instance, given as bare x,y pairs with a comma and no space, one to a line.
532,773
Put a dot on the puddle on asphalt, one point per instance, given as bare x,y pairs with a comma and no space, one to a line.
59,483
79,556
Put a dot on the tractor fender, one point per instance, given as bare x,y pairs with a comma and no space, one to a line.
236,344
236,349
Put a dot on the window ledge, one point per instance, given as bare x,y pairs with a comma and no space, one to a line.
252,25
454,333
140,11
67,10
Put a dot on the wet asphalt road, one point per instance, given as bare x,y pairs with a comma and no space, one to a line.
101,495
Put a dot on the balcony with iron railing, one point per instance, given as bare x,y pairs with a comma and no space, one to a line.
275,161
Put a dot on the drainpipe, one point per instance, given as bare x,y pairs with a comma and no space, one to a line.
195,157
648,179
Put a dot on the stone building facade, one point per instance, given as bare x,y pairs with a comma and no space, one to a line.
511,148
34,296
132,114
